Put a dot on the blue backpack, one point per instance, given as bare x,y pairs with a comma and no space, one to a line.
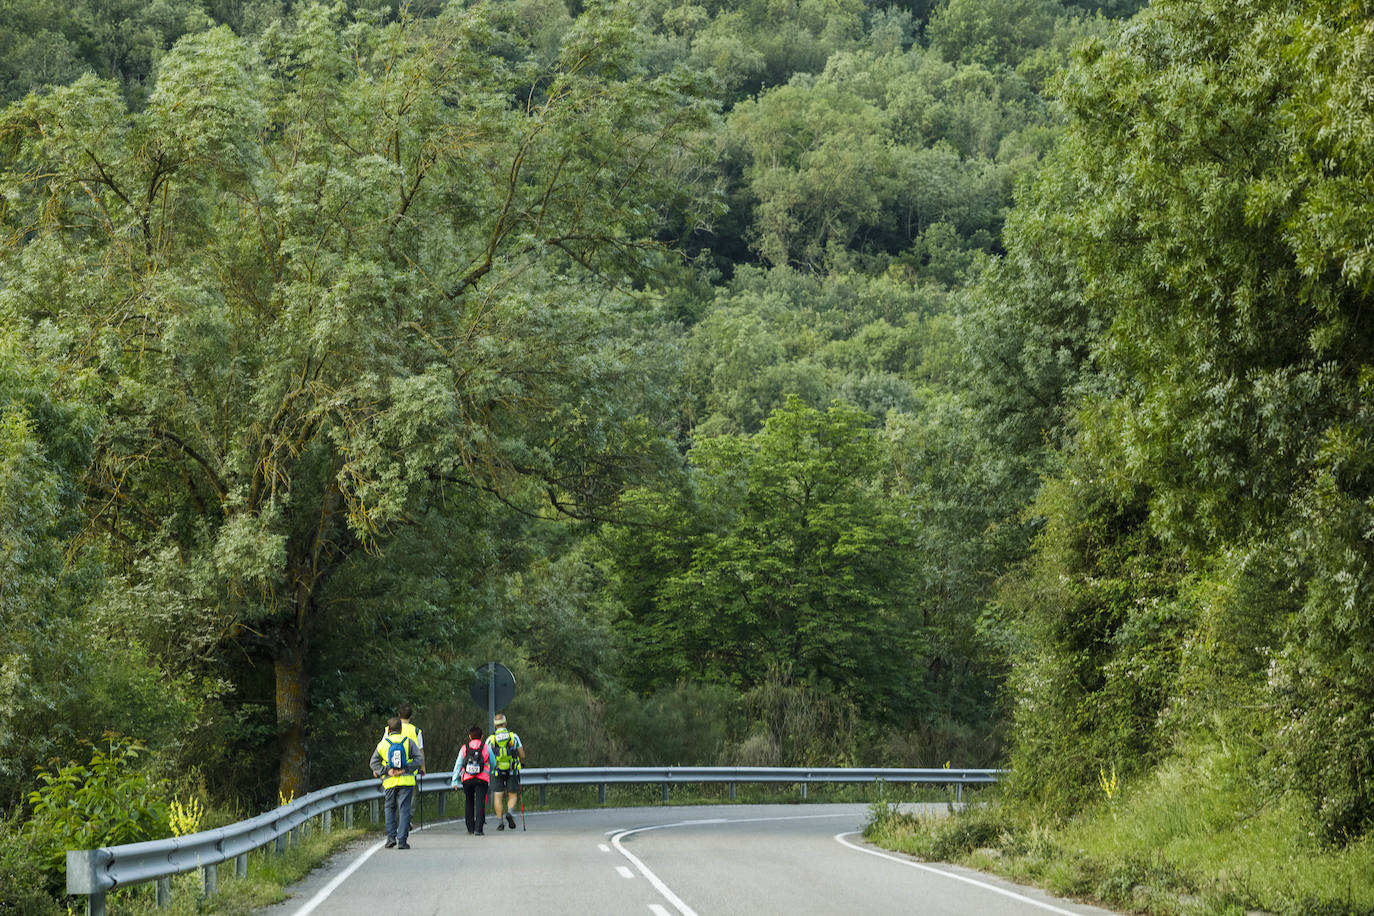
397,754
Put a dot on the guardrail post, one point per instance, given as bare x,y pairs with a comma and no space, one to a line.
804,785
209,880
327,821
241,866
543,795
959,793
83,877
732,791
348,815
665,793
443,797
279,844
372,809
601,793
164,892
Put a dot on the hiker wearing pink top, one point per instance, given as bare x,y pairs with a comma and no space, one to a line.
472,770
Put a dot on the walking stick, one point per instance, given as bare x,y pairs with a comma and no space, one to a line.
522,807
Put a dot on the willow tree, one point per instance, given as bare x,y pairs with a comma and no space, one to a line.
326,278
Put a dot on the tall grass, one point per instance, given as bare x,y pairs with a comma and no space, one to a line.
1201,836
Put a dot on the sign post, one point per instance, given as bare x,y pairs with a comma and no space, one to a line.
493,687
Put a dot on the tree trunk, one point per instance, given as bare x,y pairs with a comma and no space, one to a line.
291,648
289,663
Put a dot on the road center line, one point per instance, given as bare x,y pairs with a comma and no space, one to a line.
840,838
674,899
659,886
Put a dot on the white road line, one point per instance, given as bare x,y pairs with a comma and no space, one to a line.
659,886
840,838
722,820
711,820
338,879
624,872
332,886
603,847
677,902
659,910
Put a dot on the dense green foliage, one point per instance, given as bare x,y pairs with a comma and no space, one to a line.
1203,551
972,380
783,554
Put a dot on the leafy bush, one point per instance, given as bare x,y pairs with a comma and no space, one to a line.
23,886
933,742
105,803
561,724
683,725
794,722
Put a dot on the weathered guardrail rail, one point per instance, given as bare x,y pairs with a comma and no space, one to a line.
94,872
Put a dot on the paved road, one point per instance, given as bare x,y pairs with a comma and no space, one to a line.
749,860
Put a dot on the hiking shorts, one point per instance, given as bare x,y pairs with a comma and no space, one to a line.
505,782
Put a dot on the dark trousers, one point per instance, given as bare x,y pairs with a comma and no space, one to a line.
398,812
475,811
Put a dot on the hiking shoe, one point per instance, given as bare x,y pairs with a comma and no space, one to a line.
479,833
403,846
510,820
500,826
390,842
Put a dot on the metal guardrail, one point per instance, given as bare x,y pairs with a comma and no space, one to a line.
667,776
94,872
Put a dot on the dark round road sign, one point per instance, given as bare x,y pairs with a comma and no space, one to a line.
487,683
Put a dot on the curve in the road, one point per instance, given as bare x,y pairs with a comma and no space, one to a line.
671,902
686,910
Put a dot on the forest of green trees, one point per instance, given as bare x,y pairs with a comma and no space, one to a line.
772,382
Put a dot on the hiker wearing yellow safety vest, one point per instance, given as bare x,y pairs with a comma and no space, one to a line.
410,730
506,753
395,762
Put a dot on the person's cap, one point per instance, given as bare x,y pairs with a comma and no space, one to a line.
500,720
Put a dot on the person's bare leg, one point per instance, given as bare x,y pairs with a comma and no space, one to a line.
498,807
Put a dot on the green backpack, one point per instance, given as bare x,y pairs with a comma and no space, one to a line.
504,758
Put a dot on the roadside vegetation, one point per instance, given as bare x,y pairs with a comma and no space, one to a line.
1198,836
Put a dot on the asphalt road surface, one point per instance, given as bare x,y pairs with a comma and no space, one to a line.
750,860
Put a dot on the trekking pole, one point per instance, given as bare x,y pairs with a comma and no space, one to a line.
522,806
